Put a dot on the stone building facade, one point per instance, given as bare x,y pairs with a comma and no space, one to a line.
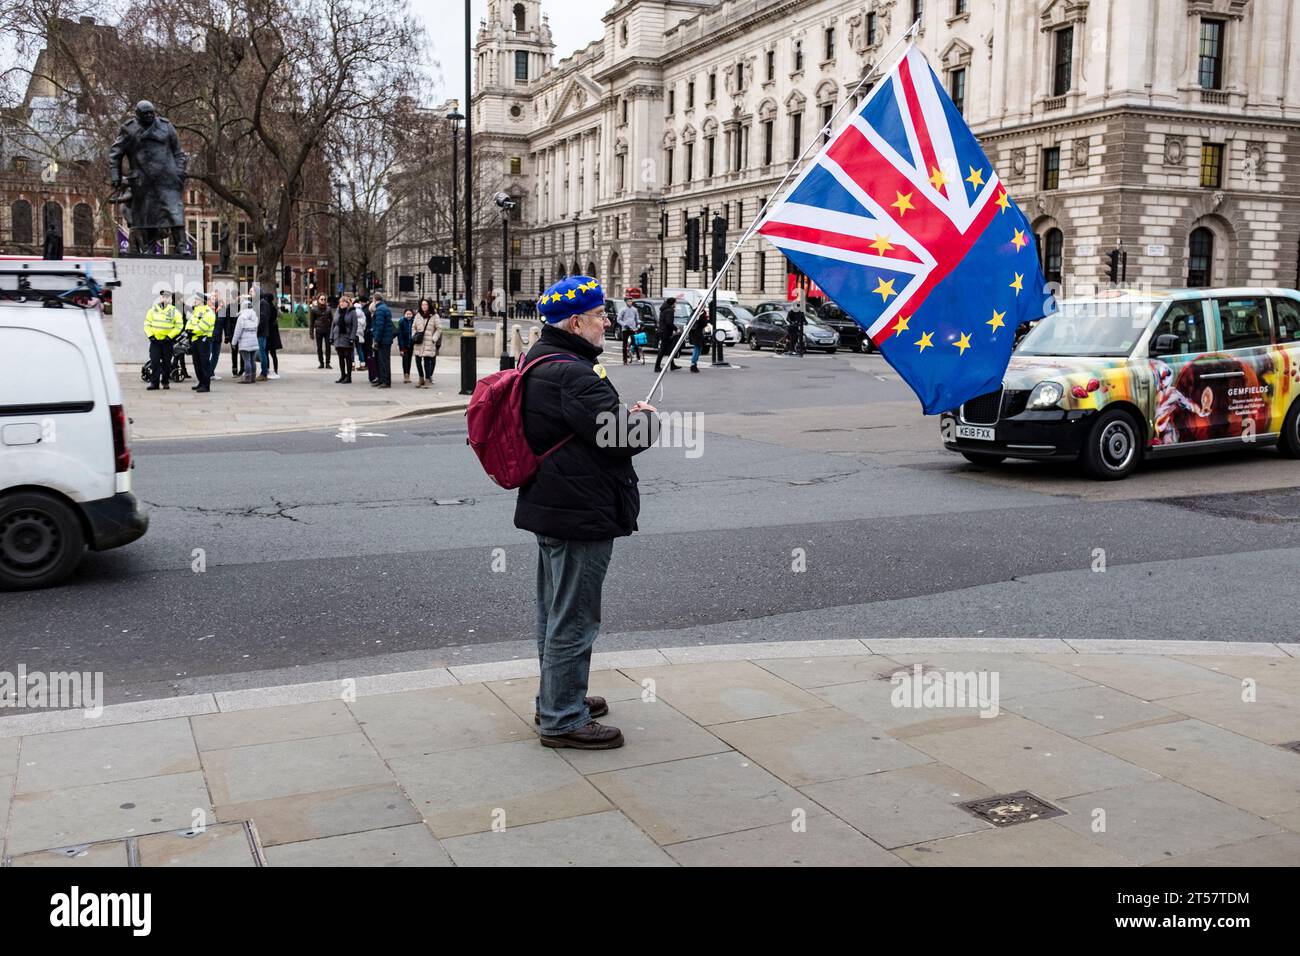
1169,129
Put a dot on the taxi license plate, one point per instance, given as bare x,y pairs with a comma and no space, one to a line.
971,431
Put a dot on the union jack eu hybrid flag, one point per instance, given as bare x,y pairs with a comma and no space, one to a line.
903,223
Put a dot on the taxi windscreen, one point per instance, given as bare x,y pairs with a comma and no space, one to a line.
1089,329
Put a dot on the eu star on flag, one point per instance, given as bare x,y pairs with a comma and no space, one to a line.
906,167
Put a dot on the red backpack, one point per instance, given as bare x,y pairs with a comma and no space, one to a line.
496,426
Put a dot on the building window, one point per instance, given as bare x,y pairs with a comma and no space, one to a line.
796,135
21,222
1212,165
690,95
624,112
1053,249
713,87
829,37
516,165
1063,62
521,66
871,29
770,58
1051,167
762,272
52,216
1211,63
1200,253
957,89
243,241
828,110
709,144
690,162
672,102
918,9
767,142
798,56
740,77
959,7
519,17
668,166
83,226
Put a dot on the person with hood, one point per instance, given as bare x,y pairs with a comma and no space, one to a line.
265,316
319,322
382,333
361,337
667,329
405,331
343,335
245,340
273,341
583,496
427,339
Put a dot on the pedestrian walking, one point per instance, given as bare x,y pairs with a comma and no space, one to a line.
245,340
696,340
795,345
343,333
162,326
273,341
583,496
361,337
265,316
629,323
667,329
382,333
405,332
426,341
320,319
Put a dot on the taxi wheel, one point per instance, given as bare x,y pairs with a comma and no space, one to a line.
1113,447
983,458
1289,443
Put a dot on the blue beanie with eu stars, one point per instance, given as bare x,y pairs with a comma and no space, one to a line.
571,296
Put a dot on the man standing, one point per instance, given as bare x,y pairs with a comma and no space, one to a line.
162,324
628,323
667,329
265,316
583,496
201,324
796,319
381,321
320,321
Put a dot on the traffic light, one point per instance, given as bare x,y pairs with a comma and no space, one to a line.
719,253
311,279
1112,271
692,245
645,281
286,277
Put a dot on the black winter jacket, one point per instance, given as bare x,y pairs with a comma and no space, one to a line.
582,491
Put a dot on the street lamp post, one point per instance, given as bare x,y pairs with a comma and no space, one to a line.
469,170
203,252
340,281
454,117
506,203
663,228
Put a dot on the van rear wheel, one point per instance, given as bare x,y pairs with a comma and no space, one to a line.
1289,442
41,541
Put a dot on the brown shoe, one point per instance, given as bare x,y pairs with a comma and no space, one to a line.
596,705
592,737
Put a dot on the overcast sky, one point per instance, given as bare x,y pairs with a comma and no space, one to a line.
574,24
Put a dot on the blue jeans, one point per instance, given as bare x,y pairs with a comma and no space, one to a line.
570,576
695,355
261,352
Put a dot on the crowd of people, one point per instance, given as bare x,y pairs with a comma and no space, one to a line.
359,332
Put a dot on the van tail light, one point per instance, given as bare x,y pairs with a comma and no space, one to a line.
121,454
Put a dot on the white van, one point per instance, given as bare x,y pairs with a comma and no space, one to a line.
65,468
692,297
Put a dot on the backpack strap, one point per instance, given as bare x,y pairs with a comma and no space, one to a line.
542,358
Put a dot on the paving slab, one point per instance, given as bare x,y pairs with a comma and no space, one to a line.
1272,717
9,755
757,651
702,797
6,794
1275,850
594,839
1150,822
519,694
1237,770
1279,673
326,813
1017,674
899,807
725,691
78,758
92,855
444,718
222,845
809,672
272,724
654,733
1143,676
105,811
815,745
1011,754
874,702
1087,711
512,784
825,841
395,846
1037,843
267,771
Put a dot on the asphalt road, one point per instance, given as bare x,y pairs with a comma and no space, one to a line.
285,556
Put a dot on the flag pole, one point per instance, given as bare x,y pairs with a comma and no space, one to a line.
827,129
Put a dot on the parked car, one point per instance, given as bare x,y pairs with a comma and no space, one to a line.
769,329
65,468
739,316
852,335
1110,381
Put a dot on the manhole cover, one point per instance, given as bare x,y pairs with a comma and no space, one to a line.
1011,808
1293,746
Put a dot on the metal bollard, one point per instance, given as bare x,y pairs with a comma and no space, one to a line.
468,363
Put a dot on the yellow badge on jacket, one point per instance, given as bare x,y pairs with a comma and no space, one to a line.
599,370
